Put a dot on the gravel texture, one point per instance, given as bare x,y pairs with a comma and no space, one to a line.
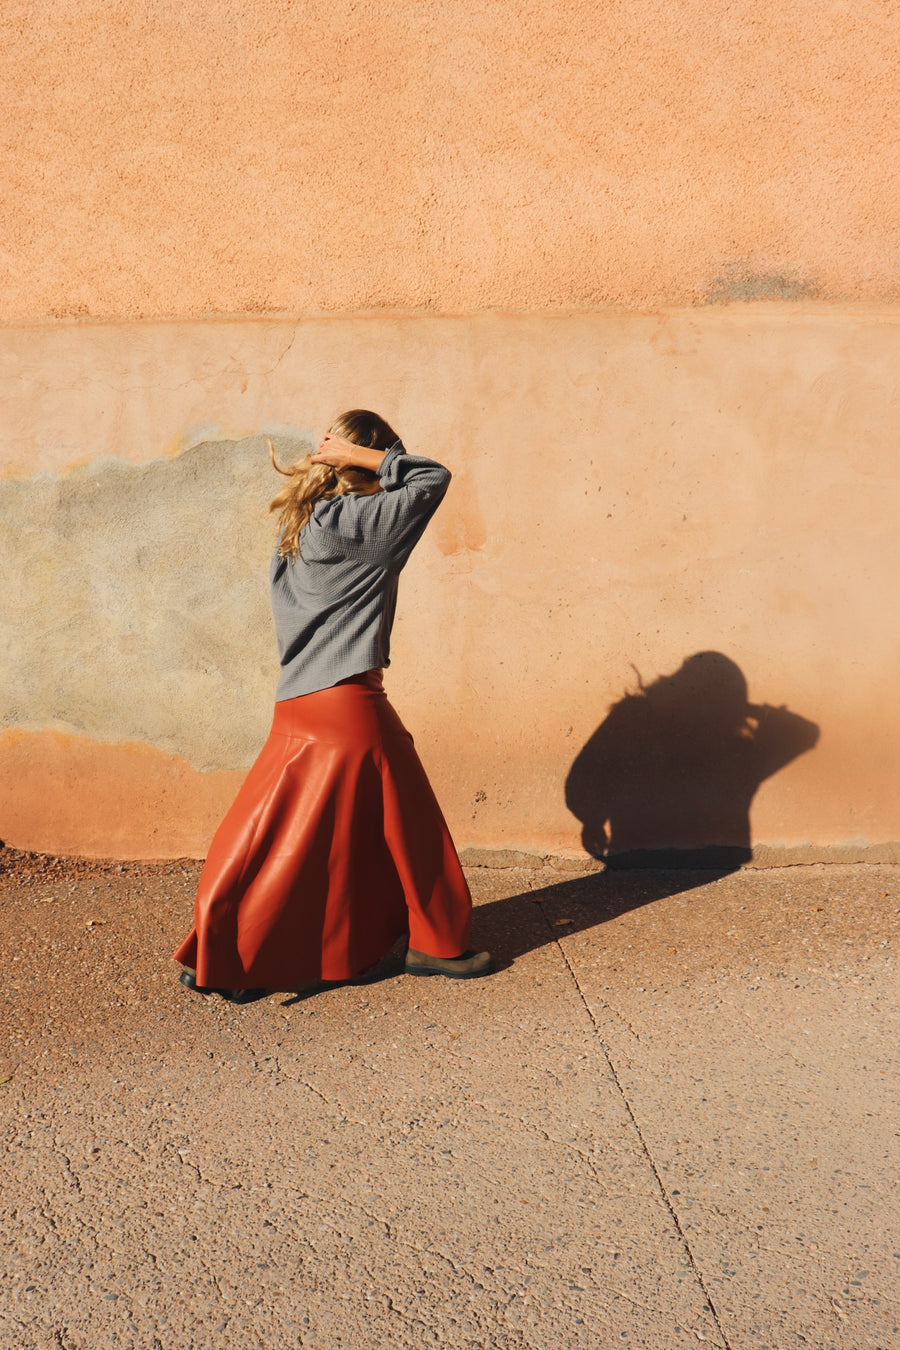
669,1118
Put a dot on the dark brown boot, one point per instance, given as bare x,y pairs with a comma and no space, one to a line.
469,966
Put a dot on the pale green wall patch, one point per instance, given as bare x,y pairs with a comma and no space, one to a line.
135,601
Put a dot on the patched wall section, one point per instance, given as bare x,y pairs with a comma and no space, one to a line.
136,605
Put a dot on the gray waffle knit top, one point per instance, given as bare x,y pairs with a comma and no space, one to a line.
334,604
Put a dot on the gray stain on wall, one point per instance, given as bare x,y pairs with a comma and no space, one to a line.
135,601
741,281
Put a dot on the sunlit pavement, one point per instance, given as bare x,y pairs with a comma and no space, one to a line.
669,1117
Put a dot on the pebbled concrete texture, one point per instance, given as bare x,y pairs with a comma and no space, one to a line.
668,1119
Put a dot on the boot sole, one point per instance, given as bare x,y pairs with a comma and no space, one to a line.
448,974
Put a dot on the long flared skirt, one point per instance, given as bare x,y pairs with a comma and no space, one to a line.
334,848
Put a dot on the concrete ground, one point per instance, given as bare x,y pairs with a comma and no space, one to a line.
669,1119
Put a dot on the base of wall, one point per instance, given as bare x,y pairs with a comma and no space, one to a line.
716,860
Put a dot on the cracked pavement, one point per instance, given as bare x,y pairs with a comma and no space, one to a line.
668,1119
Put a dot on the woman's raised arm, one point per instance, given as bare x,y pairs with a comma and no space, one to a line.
382,529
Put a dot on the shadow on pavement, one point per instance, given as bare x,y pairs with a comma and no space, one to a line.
521,923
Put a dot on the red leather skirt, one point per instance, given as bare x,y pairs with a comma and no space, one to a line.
334,848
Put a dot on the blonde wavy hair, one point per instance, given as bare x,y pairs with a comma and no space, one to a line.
310,483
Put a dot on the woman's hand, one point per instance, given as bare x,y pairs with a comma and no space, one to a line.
334,451
339,453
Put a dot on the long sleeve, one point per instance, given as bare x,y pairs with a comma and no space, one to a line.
383,529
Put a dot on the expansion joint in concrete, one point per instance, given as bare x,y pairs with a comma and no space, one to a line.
645,1149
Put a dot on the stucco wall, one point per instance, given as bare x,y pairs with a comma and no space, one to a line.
337,155
630,269
628,491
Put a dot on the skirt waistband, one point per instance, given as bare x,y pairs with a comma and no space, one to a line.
371,679
355,709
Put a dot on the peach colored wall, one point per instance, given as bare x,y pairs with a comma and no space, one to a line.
166,158
628,491
631,268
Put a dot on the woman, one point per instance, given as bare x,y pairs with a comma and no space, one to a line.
335,846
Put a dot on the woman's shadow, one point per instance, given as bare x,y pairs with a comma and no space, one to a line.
663,791
668,777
